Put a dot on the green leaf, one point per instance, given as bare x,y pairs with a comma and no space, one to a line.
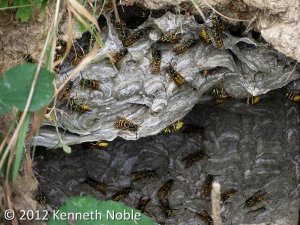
66,148
38,3
24,13
15,86
80,26
99,212
3,3
44,4
20,147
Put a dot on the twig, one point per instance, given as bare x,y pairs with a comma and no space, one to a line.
250,23
216,202
292,71
116,11
7,197
199,10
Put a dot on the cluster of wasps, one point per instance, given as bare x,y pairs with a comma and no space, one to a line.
210,35
205,192
137,176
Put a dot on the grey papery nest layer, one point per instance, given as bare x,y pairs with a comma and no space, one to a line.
244,67
250,148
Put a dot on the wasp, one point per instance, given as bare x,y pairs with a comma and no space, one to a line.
65,93
256,198
156,61
92,84
79,108
170,38
42,198
292,96
60,49
218,41
122,30
252,100
96,184
204,35
100,144
120,195
124,124
132,38
165,205
206,217
77,59
174,127
143,202
177,77
164,190
207,186
118,56
181,48
217,23
204,73
194,157
220,94
143,175
227,194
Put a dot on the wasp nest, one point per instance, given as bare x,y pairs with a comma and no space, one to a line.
158,72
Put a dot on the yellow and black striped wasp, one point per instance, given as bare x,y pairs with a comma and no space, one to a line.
227,194
143,175
203,34
77,59
164,190
177,77
143,202
96,184
191,159
80,108
64,94
207,186
156,61
118,56
124,124
217,30
181,48
100,144
170,38
122,30
174,127
220,94
217,23
92,84
255,199
206,217
252,100
131,39
166,208
120,195
293,96
218,40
